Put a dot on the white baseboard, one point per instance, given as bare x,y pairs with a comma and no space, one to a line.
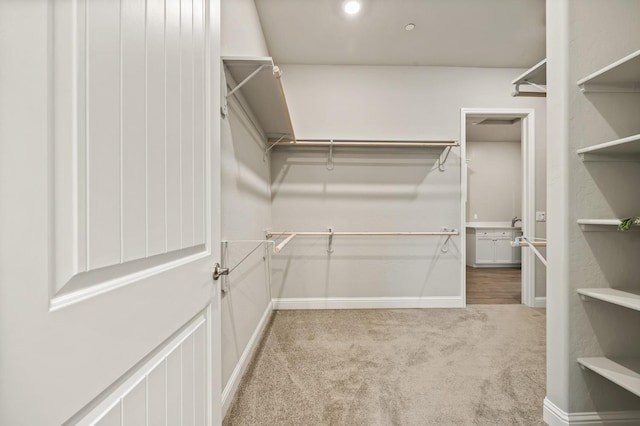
368,303
540,302
554,416
234,381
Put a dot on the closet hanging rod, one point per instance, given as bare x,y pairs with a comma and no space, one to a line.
518,243
363,143
280,246
525,242
361,233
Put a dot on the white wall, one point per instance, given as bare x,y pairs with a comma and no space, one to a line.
494,171
241,30
246,210
380,191
246,213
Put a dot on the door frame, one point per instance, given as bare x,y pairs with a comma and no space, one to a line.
213,135
528,153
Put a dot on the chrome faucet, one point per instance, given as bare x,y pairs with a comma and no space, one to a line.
514,221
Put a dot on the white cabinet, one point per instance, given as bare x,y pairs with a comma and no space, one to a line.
491,247
503,252
485,248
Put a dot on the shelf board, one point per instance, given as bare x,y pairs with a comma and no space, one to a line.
623,372
365,144
625,149
537,74
609,225
599,224
263,93
621,76
628,299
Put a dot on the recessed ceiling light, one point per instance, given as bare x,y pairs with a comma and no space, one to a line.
409,27
351,7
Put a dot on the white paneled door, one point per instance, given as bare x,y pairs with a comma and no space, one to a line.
109,212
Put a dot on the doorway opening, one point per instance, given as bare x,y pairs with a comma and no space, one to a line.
498,205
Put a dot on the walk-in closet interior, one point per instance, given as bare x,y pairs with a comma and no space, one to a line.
320,212
345,170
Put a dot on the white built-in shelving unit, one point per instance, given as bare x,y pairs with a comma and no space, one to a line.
622,76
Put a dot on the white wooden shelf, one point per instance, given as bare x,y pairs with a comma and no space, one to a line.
609,225
626,299
621,76
315,143
442,147
625,149
259,81
623,372
535,76
599,224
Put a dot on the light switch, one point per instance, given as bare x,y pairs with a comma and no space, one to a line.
541,216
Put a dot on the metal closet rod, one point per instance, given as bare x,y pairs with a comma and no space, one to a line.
362,143
361,233
525,242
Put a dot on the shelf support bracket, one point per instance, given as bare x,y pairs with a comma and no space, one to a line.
246,80
330,247
541,88
269,146
443,158
445,246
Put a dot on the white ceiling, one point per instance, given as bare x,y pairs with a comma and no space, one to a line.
465,33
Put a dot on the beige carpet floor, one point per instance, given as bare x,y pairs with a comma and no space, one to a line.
482,365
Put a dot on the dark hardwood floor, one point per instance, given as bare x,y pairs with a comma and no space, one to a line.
493,286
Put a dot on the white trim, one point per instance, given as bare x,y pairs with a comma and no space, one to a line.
234,381
121,391
68,299
529,206
540,302
368,303
528,192
554,416
463,205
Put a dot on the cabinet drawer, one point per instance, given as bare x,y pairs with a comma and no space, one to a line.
485,233
507,233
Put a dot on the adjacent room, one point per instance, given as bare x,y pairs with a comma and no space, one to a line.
494,209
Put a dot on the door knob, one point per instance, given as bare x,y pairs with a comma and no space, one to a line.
219,271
